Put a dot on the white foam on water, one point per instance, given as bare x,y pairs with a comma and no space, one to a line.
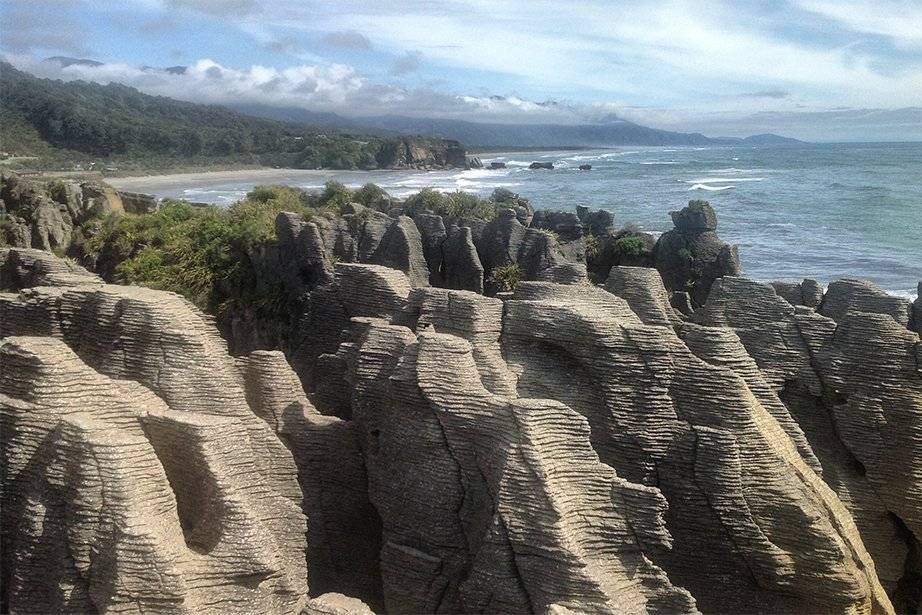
710,188
736,170
724,180
658,162
912,295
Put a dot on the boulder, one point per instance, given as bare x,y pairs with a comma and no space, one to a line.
691,256
696,217
566,224
585,167
808,293
849,294
541,165
497,165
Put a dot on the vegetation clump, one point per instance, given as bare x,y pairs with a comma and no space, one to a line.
201,253
458,204
506,277
630,245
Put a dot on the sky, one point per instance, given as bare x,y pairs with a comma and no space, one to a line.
825,70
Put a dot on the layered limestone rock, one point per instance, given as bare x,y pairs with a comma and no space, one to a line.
854,387
567,448
343,538
126,428
847,295
643,290
113,501
754,527
808,292
492,503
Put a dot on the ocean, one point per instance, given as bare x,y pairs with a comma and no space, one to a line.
824,211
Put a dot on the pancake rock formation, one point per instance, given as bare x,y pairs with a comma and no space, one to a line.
135,476
561,447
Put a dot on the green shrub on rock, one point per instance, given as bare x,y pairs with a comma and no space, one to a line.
630,245
506,277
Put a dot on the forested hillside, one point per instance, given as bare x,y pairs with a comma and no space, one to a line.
63,124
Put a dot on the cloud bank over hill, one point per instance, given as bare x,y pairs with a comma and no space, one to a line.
719,67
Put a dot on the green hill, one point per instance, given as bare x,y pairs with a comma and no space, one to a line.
50,124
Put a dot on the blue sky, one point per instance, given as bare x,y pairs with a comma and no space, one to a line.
815,69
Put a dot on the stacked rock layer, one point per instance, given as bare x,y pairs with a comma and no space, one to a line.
564,448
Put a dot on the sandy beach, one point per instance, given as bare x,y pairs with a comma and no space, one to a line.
153,184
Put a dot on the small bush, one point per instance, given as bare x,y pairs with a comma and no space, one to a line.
425,199
593,246
459,204
374,196
334,197
630,246
505,278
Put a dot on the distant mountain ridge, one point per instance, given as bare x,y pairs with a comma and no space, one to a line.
492,135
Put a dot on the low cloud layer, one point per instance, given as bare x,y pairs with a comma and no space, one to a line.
675,64
341,89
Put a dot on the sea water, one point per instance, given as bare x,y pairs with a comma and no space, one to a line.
824,211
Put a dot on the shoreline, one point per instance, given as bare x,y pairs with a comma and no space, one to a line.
148,183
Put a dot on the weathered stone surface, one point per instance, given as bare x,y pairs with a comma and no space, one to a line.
336,604
494,504
698,216
461,267
855,390
343,537
44,214
25,267
643,290
504,241
808,292
568,448
433,234
566,224
863,296
112,501
568,273
754,527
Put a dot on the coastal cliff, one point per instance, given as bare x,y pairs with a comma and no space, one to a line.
455,405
